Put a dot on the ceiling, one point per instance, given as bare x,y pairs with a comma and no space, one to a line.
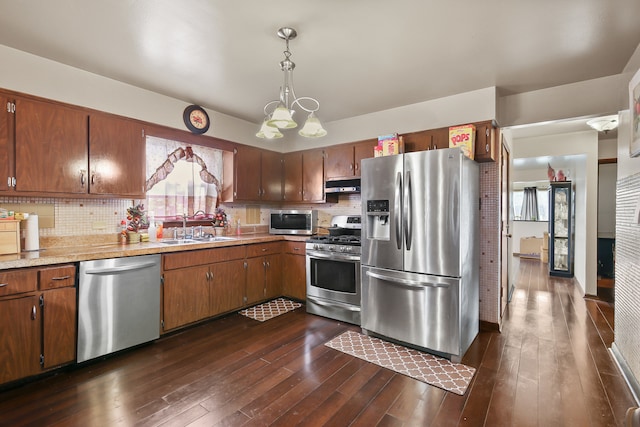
355,57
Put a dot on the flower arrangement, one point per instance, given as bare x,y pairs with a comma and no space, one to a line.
219,218
137,218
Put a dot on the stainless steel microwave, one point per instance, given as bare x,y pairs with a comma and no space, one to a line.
288,221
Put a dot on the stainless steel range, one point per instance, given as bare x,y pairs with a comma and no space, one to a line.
333,271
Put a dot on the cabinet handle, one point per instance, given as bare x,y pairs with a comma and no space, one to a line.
33,313
83,179
9,181
13,181
351,166
264,249
61,277
264,264
2,285
93,178
296,249
486,147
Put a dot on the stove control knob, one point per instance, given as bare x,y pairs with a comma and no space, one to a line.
332,248
316,246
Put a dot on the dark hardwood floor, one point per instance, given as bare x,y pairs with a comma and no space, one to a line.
549,367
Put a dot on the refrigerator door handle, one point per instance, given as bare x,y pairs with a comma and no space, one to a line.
396,209
408,207
407,282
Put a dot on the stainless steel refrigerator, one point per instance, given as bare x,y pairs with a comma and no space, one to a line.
420,250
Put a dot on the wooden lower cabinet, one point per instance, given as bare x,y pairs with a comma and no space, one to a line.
19,338
37,320
202,284
294,274
227,294
59,325
185,296
264,277
264,272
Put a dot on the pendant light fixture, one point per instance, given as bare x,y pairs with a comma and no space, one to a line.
604,124
279,113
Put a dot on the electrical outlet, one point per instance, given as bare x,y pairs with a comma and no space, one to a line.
99,225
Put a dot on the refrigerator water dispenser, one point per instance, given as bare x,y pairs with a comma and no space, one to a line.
378,224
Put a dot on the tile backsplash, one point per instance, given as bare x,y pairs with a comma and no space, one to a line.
82,217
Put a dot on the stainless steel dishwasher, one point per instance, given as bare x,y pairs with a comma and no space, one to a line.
118,304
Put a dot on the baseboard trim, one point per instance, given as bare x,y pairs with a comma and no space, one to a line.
631,381
489,326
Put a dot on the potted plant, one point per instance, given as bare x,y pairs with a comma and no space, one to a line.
137,220
219,221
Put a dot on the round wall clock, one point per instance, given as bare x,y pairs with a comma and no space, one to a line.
196,119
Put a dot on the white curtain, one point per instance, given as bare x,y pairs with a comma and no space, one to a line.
181,178
529,211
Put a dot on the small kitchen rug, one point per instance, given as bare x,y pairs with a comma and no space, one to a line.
270,309
433,370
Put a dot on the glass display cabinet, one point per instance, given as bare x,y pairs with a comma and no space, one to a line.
561,228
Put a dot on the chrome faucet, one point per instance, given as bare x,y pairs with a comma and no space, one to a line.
184,226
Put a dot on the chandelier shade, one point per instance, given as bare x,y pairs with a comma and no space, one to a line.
312,128
268,131
604,124
280,112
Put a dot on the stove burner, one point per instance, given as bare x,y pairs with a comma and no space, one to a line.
340,240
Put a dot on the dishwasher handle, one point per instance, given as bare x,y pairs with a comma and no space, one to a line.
407,282
121,269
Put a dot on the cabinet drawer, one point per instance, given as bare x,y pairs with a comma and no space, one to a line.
202,257
18,281
61,276
296,248
264,249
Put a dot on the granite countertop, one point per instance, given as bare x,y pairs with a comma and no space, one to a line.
87,251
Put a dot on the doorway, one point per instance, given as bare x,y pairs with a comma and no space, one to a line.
607,176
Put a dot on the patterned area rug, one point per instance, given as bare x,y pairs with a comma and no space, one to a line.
270,309
433,370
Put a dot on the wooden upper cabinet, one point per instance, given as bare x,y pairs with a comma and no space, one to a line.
363,150
313,176
51,152
117,156
246,179
486,142
271,176
6,143
292,177
258,174
339,161
432,139
343,161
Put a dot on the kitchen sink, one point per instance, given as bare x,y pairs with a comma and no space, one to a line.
213,239
178,241
196,240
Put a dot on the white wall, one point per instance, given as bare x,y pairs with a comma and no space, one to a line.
23,72
585,177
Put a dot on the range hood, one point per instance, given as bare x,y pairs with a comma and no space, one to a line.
342,186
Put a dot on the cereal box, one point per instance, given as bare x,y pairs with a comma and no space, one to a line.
464,138
390,144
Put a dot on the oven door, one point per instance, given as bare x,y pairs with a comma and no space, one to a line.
333,277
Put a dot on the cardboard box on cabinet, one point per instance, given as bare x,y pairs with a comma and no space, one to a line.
530,247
